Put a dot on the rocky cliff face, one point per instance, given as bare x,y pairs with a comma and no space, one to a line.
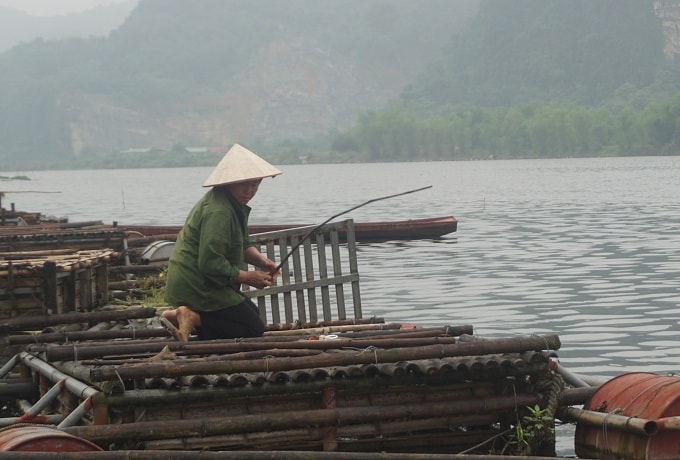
668,11
290,90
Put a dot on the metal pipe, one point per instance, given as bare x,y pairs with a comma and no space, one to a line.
9,366
568,376
77,413
73,385
46,400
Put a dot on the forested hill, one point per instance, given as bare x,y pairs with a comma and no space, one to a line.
214,72
521,51
366,74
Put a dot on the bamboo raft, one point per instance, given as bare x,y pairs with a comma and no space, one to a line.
345,386
322,378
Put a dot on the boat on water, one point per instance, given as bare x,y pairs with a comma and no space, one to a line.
423,228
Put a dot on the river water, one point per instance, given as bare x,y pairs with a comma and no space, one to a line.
588,249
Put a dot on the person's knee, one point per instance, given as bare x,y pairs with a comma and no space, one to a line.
259,329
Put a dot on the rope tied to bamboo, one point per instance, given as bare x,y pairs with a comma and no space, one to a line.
545,341
605,424
372,348
120,379
267,358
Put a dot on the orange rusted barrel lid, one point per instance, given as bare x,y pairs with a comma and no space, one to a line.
640,395
37,438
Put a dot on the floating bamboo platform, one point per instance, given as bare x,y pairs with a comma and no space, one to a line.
341,386
322,379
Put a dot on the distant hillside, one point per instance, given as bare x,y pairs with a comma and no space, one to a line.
582,51
19,27
214,72
272,72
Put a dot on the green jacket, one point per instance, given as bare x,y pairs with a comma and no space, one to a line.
208,254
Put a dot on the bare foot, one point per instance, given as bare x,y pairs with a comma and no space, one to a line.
170,315
187,321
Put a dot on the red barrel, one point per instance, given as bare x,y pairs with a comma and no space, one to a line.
641,395
37,438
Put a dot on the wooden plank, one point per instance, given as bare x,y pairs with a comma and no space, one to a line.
70,284
50,286
102,283
353,268
85,298
337,270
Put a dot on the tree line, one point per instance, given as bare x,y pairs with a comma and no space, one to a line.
530,131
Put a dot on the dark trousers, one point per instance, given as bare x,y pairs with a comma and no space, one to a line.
242,320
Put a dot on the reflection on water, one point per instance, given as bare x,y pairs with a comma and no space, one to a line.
588,249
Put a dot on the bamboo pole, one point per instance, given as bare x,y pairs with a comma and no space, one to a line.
246,355
417,386
366,356
145,431
68,352
252,455
38,322
311,436
333,328
609,421
76,336
156,332
36,254
16,388
576,396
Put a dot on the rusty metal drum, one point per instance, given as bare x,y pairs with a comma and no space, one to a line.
38,438
645,396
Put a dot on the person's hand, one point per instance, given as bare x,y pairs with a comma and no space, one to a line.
268,266
258,279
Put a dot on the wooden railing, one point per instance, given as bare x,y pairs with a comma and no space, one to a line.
318,280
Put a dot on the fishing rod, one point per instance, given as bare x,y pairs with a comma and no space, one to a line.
315,229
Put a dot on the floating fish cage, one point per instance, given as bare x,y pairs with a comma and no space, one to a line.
322,378
53,281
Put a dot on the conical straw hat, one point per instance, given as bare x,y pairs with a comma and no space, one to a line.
238,165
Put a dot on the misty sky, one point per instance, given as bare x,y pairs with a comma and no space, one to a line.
55,7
